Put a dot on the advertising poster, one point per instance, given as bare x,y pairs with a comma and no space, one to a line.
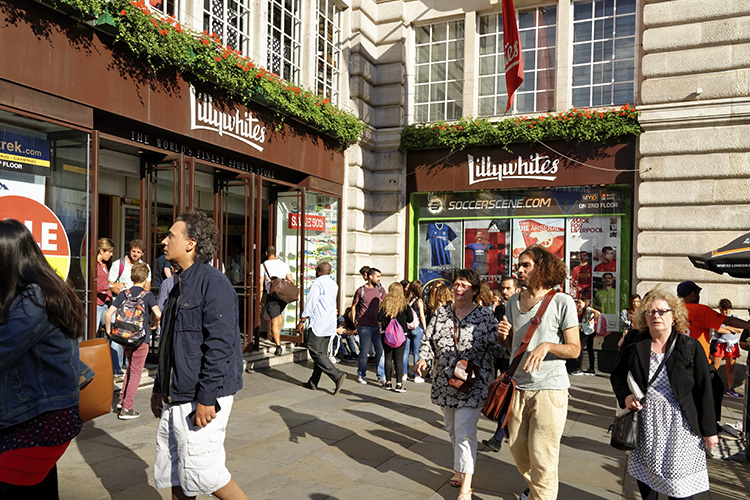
548,233
605,259
287,233
440,250
584,234
486,248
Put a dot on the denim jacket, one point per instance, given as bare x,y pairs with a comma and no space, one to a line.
206,346
40,370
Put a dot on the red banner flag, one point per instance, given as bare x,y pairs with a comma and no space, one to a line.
512,48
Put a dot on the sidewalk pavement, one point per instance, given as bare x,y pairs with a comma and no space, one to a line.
288,442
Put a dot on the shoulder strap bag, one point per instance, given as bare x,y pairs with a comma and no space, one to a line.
465,372
282,289
624,428
500,395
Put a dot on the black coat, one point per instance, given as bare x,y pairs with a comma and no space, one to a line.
688,373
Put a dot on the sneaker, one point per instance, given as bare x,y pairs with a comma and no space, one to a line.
278,351
525,494
418,379
577,372
399,388
118,408
333,359
381,380
128,414
387,386
361,380
310,386
492,443
349,359
732,392
404,377
590,373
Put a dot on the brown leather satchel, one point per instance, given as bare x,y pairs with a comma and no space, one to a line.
502,389
96,396
282,289
465,372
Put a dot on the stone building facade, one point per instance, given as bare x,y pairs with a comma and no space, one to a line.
694,191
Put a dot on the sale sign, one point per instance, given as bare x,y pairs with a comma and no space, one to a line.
312,222
45,227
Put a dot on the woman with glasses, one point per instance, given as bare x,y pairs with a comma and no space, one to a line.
461,330
677,424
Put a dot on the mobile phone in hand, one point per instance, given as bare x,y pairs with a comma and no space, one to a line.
191,415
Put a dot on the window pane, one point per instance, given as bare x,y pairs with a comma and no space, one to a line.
487,86
439,32
438,52
623,93
423,54
422,34
455,89
423,73
486,106
581,75
437,72
581,54
422,94
487,24
487,45
421,113
487,65
582,32
625,26
625,6
625,48
581,97
624,70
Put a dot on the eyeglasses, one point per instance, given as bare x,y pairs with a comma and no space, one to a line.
658,312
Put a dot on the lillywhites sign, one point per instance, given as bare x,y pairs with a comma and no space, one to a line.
538,167
239,124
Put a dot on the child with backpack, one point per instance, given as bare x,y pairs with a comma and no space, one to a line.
133,311
394,317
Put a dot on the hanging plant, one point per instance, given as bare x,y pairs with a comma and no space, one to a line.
575,125
162,42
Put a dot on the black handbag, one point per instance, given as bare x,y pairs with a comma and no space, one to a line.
625,431
624,428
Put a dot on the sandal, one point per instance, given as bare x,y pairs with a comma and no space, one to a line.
465,496
455,481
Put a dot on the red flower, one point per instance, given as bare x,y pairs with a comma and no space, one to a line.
178,28
460,127
123,13
217,58
205,41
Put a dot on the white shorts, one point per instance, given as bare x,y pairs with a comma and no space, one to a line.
192,458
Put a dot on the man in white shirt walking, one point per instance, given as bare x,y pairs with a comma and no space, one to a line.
320,310
274,307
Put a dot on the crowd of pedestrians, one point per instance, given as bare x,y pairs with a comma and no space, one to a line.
459,335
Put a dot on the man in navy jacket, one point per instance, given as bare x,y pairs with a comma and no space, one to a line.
200,366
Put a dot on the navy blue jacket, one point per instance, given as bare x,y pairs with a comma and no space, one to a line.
40,370
207,347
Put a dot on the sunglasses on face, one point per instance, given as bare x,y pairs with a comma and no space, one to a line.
657,312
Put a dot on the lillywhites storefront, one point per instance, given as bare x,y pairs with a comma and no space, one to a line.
123,157
481,207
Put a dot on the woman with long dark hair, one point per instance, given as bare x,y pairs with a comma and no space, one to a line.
414,336
40,371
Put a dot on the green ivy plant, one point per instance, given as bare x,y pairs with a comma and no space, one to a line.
164,43
575,125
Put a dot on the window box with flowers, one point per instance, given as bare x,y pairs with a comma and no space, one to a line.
163,43
596,126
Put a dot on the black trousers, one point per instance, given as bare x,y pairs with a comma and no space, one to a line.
46,490
717,386
394,355
318,348
648,494
587,341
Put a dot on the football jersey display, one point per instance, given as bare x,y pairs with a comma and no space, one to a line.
440,235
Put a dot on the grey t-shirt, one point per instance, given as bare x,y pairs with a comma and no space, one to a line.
560,315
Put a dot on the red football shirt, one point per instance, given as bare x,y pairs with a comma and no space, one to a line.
702,319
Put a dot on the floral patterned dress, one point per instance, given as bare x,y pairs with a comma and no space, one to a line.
477,341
